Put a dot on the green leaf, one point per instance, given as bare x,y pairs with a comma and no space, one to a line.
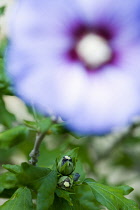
27,174
4,80
79,169
58,128
30,174
48,156
64,194
31,124
125,189
21,199
60,203
82,199
73,153
3,43
45,195
16,169
7,180
111,197
87,201
40,125
12,137
6,118
44,124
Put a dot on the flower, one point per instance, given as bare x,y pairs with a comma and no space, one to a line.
79,59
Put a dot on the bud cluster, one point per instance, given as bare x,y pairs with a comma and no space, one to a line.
65,167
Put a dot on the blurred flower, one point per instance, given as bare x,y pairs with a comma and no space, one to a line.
79,59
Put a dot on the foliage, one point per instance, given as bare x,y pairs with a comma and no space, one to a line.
21,199
45,188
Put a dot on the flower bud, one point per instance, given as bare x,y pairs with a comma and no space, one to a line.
76,177
65,166
65,182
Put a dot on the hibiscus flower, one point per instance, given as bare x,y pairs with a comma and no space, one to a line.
79,59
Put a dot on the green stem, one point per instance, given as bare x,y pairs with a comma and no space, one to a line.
35,151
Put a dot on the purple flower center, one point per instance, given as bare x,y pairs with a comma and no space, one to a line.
91,46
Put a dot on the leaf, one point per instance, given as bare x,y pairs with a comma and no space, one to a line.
60,203
45,195
31,124
7,180
3,44
48,156
79,169
6,118
40,125
64,194
21,199
16,169
125,189
85,156
27,174
30,174
82,199
111,197
44,124
87,201
12,137
4,80
73,153
58,128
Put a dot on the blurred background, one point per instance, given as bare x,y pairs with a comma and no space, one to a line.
113,159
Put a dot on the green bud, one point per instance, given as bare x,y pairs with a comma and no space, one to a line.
65,166
65,182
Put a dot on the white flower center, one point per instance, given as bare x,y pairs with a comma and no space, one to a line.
94,50
66,184
67,157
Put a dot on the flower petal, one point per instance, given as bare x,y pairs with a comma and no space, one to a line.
110,101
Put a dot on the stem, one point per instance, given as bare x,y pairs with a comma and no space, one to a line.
39,137
35,151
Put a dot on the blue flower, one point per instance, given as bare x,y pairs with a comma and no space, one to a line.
78,58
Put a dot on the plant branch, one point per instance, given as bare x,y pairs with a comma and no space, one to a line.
35,151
